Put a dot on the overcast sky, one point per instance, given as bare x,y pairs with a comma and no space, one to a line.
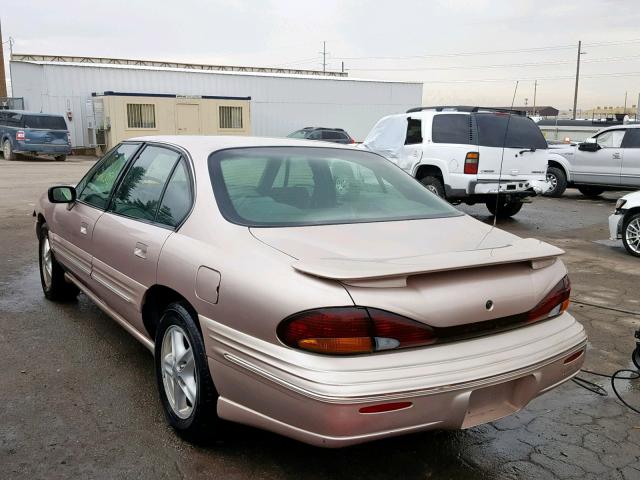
463,51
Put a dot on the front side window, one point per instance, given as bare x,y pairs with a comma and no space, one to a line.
138,195
452,128
610,139
509,131
298,134
294,186
230,117
95,188
141,115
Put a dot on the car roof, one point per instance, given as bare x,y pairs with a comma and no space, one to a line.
35,114
619,127
206,144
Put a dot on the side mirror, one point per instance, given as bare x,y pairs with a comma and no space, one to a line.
591,146
62,194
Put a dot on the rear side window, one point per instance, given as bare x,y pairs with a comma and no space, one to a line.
522,132
631,138
451,128
414,131
138,195
44,122
176,200
14,120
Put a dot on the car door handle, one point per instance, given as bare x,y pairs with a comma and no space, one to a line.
140,250
617,156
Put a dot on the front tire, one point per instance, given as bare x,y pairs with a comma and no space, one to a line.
60,158
590,191
54,285
631,235
7,151
434,185
503,208
186,388
558,180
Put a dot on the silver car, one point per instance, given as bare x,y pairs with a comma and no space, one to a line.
315,291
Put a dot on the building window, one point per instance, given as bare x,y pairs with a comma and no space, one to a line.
141,115
230,117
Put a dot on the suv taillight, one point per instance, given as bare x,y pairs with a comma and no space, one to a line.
20,135
471,163
68,138
352,330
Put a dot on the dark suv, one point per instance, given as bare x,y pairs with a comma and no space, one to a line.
335,135
33,133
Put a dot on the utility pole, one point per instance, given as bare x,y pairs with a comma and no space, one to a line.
575,94
625,103
343,66
535,91
3,79
324,57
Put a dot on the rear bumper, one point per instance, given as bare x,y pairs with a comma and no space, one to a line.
43,148
317,399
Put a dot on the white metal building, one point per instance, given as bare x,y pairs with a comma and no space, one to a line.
279,103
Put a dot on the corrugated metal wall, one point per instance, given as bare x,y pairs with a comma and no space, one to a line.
279,105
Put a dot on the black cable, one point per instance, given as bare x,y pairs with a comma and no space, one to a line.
599,390
592,387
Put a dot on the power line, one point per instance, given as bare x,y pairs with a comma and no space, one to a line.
531,79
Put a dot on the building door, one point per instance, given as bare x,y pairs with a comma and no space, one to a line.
188,119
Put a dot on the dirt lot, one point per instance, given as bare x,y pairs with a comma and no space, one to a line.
79,398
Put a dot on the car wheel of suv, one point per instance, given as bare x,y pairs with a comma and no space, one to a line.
589,191
503,208
558,181
187,391
631,235
60,158
7,151
54,285
434,185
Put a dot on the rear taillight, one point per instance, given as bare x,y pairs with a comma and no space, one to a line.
556,302
351,140
68,138
352,330
471,163
20,135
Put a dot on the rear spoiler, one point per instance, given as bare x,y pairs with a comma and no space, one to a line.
394,272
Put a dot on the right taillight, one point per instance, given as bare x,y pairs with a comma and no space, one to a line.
471,163
352,330
20,135
556,302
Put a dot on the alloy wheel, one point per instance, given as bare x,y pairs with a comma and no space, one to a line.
632,235
6,150
47,263
179,374
553,180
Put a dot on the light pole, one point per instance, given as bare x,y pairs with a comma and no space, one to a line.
575,94
535,91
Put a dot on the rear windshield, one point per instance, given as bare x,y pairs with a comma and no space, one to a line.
522,132
295,186
298,134
45,122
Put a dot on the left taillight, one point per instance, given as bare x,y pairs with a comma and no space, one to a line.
352,330
68,138
554,303
20,136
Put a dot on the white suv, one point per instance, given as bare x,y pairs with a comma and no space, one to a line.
457,153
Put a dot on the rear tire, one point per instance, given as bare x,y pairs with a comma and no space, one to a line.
434,185
590,191
505,209
54,285
60,158
186,388
558,180
631,234
7,151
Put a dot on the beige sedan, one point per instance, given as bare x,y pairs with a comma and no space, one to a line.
315,291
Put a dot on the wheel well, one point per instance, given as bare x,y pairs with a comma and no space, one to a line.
156,300
553,163
631,211
429,171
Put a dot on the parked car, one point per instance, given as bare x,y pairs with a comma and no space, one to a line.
33,133
458,154
610,160
624,223
315,291
333,135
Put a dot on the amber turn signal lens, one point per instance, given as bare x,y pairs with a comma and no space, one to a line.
337,345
